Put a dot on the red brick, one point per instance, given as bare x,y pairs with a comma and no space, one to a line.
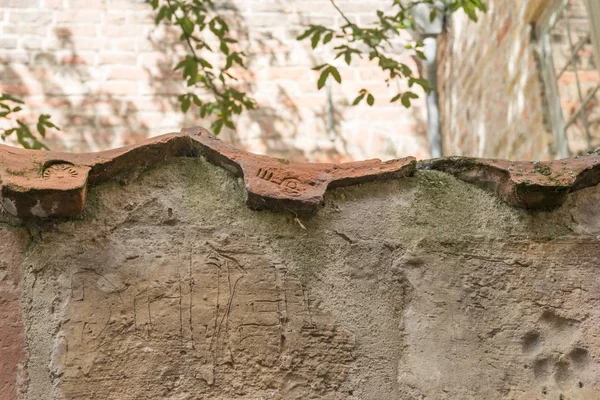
584,76
372,74
78,59
128,5
119,88
165,87
75,30
45,59
20,72
143,17
54,4
124,31
31,43
87,4
304,101
78,16
20,3
116,58
115,18
20,29
79,120
13,56
127,44
287,73
153,103
128,74
30,17
8,43
19,88
58,102
110,120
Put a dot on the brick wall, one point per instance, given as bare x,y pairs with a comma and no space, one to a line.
490,87
104,72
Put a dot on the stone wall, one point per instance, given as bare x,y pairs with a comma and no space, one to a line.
421,286
104,72
491,93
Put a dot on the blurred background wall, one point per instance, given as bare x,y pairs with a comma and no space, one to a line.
104,71
522,83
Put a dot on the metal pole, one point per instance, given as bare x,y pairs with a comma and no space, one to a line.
433,109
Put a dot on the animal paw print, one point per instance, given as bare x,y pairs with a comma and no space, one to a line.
560,364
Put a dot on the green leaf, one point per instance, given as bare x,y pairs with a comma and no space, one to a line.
328,38
41,128
432,15
406,71
307,33
8,132
185,104
395,98
406,98
224,48
217,126
161,14
218,27
205,63
370,99
180,64
187,25
323,78
11,98
318,67
348,57
315,39
358,99
336,75
421,82
196,100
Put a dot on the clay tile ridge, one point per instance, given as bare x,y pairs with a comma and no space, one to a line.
50,184
45,184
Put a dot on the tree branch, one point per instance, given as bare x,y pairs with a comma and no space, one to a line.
188,39
341,13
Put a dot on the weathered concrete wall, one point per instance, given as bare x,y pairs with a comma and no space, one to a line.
424,287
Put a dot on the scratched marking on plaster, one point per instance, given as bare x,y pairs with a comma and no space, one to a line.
218,319
223,263
191,297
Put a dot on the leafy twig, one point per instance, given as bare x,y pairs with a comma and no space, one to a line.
352,37
25,136
197,71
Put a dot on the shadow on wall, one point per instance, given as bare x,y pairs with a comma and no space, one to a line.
106,97
62,85
276,127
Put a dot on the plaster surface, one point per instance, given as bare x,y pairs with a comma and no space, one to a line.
426,287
